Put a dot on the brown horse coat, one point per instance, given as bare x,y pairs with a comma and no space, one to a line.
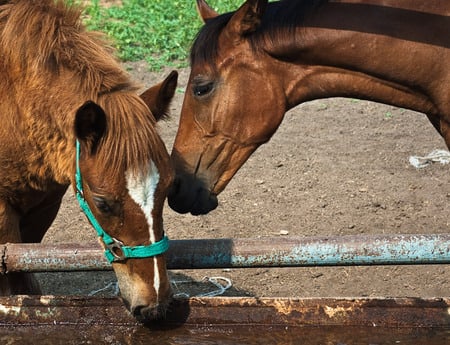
50,68
250,66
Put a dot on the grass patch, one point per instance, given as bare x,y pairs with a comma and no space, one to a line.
158,31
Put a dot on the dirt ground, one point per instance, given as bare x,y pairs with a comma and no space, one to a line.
335,167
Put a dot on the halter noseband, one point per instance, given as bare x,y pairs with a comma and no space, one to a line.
114,249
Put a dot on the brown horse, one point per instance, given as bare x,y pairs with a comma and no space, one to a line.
61,85
250,66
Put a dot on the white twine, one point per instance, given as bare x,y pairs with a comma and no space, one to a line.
221,288
111,285
438,156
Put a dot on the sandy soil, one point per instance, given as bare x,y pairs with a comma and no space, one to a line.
335,167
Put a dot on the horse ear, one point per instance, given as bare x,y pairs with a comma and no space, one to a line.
158,97
246,19
205,11
90,125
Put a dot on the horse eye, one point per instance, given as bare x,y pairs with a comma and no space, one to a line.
102,205
203,89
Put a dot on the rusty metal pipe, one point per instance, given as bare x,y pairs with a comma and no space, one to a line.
245,252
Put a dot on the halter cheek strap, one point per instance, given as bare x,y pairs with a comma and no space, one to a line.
114,249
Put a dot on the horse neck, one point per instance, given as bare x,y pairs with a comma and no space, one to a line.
56,148
49,126
344,52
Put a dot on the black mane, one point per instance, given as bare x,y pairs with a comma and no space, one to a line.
281,16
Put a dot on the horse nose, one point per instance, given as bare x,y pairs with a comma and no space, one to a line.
189,194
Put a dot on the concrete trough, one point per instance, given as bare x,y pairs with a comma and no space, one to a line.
194,311
233,320
70,319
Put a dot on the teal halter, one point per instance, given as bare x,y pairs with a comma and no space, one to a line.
114,249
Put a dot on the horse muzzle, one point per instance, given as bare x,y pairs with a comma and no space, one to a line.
145,313
144,287
190,194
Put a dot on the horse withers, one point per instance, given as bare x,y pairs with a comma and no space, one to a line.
250,66
71,116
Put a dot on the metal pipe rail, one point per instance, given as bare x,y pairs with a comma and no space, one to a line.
244,253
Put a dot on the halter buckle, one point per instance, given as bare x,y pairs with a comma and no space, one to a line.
115,248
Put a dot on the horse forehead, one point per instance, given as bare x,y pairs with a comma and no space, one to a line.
240,61
227,54
142,185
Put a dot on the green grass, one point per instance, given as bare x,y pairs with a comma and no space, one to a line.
158,31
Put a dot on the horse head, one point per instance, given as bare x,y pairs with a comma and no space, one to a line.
124,203
250,66
232,105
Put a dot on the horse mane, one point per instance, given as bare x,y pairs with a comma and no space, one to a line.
280,19
45,40
131,138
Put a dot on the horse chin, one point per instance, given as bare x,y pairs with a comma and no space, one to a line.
189,194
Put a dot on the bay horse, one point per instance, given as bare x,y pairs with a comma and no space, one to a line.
70,115
250,66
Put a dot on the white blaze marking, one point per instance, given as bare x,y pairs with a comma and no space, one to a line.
142,190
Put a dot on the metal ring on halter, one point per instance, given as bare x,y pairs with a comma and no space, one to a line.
115,248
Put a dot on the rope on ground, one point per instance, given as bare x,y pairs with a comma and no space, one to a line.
221,283
435,156
220,287
111,285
